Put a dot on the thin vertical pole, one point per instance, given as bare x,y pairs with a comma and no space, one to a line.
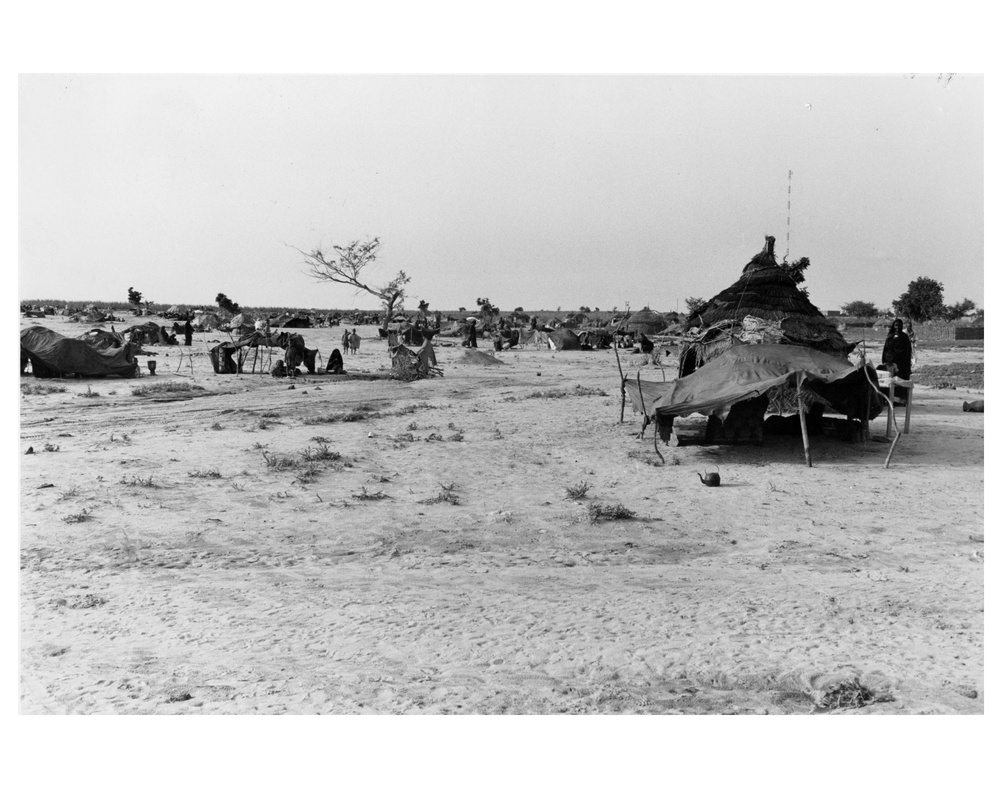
891,416
802,422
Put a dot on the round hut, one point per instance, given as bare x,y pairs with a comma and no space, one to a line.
647,322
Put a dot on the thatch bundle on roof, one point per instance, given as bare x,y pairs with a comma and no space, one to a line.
764,306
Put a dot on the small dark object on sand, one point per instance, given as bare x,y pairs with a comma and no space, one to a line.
30,451
711,478
975,405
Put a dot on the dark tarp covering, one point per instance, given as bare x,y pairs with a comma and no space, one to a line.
746,371
53,355
563,339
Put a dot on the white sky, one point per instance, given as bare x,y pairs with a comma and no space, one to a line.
534,191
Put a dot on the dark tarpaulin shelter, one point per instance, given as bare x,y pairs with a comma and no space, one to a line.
563,339
52,355
746,372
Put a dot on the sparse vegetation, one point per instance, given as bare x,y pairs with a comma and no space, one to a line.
446,495
42,388
136,482
82,516
212,474
165,387
578,492
576,391
851,694
599,512
320,453
89,393
51,448
364,494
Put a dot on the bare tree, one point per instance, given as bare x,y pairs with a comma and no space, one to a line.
345,265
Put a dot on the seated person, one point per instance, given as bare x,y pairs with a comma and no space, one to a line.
335,365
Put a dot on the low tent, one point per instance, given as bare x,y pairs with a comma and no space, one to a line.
563,339
207,321
298,320
148,333
743,375
52,355
101,340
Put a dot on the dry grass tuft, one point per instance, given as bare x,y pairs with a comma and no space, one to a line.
600,512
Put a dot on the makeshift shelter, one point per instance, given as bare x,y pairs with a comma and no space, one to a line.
206,321
148,333
175,312
52,355
764,306
647,322
412,364
742,376
296,320
101,340
563,339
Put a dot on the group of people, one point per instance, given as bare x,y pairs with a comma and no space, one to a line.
350,341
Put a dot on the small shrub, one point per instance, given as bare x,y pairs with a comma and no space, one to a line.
136,481
434,437
364,494
280,463
319,439
412,426
456,437
51,448
82,516
42,388
321,453
166,387
215,426
208,473
600,512
89,393
270,415
578,492
851,694
446,495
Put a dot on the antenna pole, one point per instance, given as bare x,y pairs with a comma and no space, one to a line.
788,229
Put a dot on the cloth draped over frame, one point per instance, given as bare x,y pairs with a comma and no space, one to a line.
746,371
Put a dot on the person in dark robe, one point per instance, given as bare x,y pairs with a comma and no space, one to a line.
188,332
645,343
898,351
472,334
897,356
335,366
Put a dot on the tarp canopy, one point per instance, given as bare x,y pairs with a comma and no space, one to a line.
53,355
563,339
746,371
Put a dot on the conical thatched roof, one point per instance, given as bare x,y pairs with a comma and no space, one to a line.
779,311
645,321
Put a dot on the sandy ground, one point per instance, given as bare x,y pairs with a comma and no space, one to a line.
166,568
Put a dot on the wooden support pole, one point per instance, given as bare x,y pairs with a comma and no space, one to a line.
890,418
802,422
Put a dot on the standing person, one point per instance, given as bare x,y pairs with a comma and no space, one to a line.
355,341
188,331
345,340
897,355
472,333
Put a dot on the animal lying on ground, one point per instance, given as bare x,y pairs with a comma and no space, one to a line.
975,405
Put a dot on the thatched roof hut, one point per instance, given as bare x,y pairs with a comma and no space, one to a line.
764,306
646,321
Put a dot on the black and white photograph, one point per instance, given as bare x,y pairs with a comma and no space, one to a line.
501,394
